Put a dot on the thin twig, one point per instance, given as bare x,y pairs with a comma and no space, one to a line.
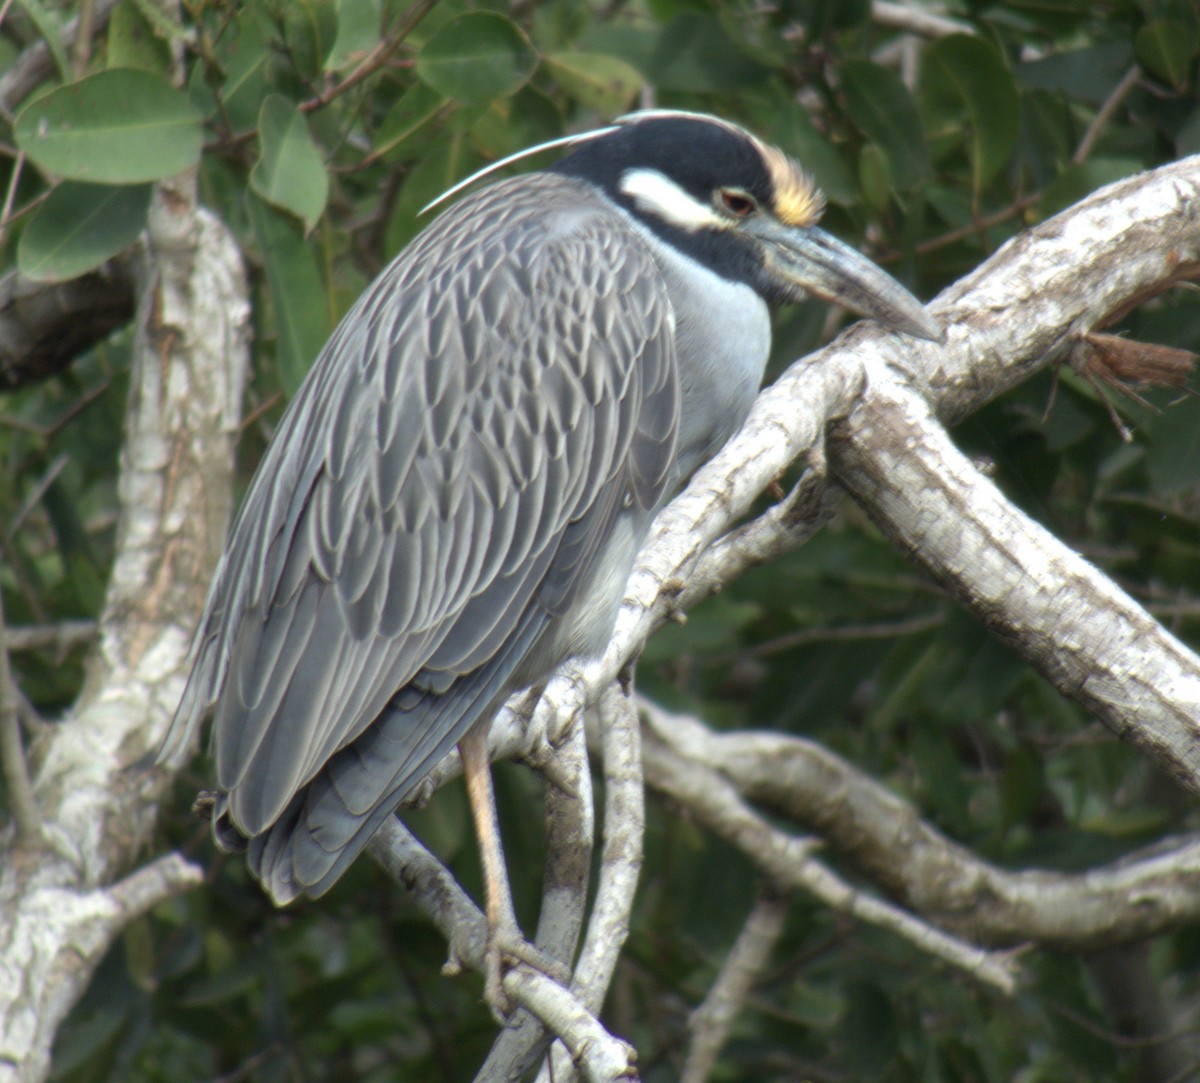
81,47
602,1057
845,633
375,59
21,803
977,225
63,636
60,463
710,1024
1100,121
9,196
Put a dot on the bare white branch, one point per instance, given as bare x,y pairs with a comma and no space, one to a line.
1146,893
922,20
621,855
788,862
710,1024
57,916
570,829
601,1057
1064,616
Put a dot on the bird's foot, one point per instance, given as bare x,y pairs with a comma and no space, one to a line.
506,948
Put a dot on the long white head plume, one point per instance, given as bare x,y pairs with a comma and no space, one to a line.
574,140
487,170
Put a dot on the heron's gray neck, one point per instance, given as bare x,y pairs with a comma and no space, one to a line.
722,341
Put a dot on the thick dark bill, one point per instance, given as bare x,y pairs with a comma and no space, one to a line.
816,262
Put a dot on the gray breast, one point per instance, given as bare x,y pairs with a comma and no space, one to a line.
722,337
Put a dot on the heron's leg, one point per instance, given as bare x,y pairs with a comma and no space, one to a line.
504,935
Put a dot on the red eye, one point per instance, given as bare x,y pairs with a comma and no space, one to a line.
737,203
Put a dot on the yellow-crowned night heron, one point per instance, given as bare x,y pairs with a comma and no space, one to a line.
454,499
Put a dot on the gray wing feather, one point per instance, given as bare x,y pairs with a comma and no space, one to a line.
440,489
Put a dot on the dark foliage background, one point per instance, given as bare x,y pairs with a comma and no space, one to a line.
318,130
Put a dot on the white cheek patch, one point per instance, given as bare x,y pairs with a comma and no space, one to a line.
655,193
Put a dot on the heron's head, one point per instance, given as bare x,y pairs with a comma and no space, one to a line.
740,207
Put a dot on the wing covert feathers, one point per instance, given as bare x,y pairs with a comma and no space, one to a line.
439,491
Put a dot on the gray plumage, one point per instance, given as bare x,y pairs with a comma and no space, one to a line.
422,535
454,499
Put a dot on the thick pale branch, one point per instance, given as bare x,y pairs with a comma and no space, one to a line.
787,861
618,734
57,914
1066,618
621,854
1011,317
570,833
570,830
1146,893
1015,313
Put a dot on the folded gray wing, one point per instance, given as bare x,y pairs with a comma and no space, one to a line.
440,489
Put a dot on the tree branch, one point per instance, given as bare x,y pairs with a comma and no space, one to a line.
711,1022
57,916
570,830
787,860
1061,614
1146,893
37,62
601,1057
44,326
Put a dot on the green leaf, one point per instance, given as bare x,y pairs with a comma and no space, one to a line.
449,160
309,31
249,75
882,107
120,126
1086,75
298,299
289,173
604,83
357,33
49,26
692,53
966,84
412,123
509,125
79,226
869,1030
1081,180
477,57
875,176
1047,131
134,42
1166,49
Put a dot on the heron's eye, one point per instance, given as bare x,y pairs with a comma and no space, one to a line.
736,203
